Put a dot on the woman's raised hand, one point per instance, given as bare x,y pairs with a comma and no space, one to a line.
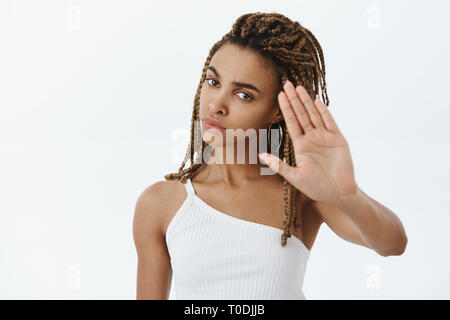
324,168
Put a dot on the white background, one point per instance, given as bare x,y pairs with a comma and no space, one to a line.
95,95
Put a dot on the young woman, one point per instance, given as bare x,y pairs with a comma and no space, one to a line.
216,225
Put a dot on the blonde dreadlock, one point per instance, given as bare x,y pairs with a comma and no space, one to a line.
297,56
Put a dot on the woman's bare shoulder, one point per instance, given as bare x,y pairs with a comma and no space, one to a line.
161,191
161,188
158,199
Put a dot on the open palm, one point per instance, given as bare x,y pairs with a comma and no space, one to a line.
324,168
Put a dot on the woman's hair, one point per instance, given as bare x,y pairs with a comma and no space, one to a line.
296,55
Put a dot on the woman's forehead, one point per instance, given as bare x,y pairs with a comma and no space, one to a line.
244,65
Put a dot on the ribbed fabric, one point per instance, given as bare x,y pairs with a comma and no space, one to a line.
217,256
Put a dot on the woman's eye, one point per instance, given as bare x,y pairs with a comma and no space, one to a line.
249,97
212,80
246,96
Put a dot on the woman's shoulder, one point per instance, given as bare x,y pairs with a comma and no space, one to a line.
161,187
162,190
159,199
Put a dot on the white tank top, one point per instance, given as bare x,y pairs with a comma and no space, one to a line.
217,256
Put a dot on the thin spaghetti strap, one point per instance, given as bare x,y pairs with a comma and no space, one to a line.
189,188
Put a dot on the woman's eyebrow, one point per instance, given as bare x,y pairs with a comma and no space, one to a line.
239,84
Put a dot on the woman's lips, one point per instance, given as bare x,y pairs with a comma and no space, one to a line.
209,125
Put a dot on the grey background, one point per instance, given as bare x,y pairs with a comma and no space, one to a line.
95,105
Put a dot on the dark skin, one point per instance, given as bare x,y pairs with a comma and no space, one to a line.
258,198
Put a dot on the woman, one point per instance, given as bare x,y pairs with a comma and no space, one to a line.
214,225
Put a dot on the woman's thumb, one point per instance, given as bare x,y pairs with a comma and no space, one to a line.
276,164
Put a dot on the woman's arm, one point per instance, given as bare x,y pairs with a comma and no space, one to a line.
362,220
324,172
154,272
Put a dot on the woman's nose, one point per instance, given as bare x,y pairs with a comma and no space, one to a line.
218,104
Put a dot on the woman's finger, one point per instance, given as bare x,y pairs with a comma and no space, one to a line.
299,108
289,117
313,113
328,119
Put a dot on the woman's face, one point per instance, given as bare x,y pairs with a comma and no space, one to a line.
239,92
